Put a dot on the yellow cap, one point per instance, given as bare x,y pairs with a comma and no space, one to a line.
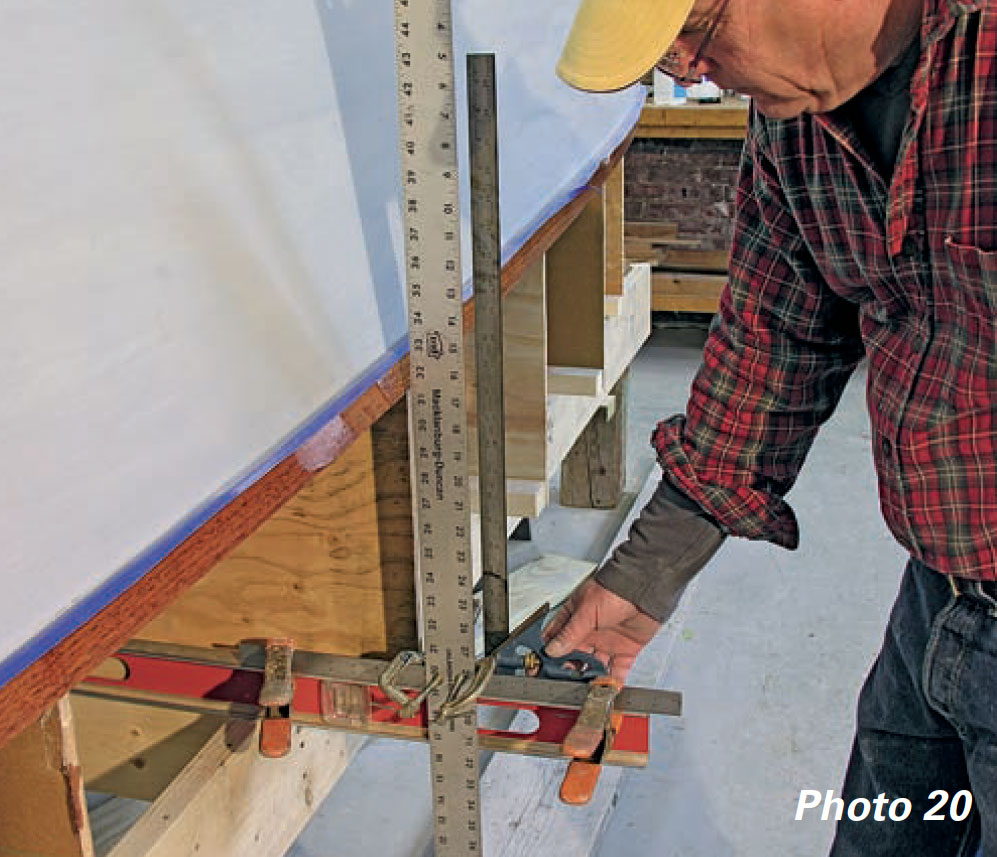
613,43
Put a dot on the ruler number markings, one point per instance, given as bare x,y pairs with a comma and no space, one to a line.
427,123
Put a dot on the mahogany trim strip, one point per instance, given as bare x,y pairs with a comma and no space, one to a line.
39,686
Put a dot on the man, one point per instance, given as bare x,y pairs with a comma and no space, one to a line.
866,227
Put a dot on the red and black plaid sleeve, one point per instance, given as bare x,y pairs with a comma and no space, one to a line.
776,361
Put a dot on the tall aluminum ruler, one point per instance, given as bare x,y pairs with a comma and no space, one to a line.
428,136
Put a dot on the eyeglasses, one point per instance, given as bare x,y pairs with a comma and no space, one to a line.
684,73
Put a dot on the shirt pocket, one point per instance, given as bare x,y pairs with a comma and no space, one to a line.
974,270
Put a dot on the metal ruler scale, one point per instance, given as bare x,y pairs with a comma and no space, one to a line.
428,149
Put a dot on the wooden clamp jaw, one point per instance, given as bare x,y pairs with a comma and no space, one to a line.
275,698
590,739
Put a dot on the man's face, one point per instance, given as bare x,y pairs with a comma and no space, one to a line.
784,53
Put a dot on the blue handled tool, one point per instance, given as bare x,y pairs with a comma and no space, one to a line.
524,654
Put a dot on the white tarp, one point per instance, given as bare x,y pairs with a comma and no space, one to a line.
200,252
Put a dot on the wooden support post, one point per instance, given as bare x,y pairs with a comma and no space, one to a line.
594,471
43,810
524,367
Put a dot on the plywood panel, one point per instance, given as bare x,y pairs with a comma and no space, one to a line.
42,805
333,569
135,751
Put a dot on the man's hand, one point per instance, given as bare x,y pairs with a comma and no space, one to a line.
596,621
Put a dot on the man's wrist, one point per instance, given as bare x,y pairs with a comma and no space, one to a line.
671,540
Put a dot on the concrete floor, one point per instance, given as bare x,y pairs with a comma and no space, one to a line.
769,649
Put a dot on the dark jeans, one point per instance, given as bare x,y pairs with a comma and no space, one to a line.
927,721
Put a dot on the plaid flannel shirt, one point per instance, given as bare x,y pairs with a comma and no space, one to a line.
831,262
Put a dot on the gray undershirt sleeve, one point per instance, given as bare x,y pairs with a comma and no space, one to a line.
671,540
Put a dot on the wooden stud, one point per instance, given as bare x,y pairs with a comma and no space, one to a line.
628,328
614,232
525,386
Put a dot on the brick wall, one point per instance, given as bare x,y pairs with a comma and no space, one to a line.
687,182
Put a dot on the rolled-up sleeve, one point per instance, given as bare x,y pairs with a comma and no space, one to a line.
779,353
